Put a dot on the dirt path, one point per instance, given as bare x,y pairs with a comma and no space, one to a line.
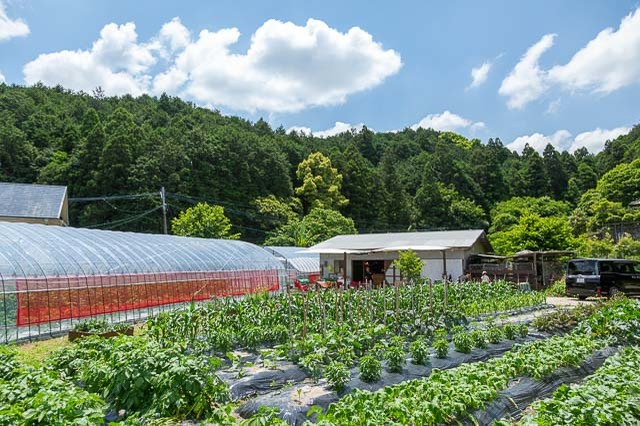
568,301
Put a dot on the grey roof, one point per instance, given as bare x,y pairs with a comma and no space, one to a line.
31,201
296,258
450,239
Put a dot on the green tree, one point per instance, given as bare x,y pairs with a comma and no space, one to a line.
319,225
592,246
508,213
627,248
320,183
118,152
555,171
409,264
622,183
395,204
534,178
535,233
203,221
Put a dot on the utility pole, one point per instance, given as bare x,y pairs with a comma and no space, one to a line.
164,209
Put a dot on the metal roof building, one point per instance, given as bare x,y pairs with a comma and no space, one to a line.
44,204
442,251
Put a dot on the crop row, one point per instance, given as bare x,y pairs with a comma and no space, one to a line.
333,362
610,396
411,311
451,394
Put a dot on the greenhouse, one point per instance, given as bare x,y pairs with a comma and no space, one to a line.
297,261
51,276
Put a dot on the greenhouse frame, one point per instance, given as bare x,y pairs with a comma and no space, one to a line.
51,277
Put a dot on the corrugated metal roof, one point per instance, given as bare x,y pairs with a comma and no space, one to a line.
451,239
31,201
296,258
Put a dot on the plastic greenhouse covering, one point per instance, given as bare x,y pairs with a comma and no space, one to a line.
51,276
297,262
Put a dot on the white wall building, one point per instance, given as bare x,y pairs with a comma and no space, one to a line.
376,252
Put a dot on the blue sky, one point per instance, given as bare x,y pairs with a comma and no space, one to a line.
561,72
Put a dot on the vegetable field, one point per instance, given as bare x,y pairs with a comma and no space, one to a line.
419,355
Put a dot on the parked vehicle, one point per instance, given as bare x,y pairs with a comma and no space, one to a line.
602,277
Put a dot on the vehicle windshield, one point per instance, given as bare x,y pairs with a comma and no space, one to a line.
582,267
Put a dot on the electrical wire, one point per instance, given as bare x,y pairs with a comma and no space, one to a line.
124,221
112,197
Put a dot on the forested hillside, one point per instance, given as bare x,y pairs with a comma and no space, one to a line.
412,179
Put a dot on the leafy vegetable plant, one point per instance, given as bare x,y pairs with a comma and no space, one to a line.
370,369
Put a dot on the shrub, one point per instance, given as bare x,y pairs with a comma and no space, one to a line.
441,347
314,364
395,357
370,369
463,342
479,339
510,331
419,351
557,289
523,330
137,374
345,355
494,334
337,375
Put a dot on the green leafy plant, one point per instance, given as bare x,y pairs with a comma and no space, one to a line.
138,375
494,334
395,357
479,338
409,264
370,368
419,350
463,342
523,330
338,375
510,331
313,364
609,396
441,347
345,355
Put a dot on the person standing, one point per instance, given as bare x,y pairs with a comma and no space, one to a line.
485,277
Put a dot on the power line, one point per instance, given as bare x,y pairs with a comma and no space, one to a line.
112,197
120,222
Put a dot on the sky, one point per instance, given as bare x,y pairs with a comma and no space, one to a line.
565,73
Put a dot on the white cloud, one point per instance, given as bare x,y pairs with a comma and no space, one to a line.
338,128
2,80
174,35
448,121
479,75
116,62
563,140
286,68
527,81
553,106
10,28
560,139
300,129
608,62
594,140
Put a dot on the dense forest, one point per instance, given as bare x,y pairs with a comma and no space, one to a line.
115,153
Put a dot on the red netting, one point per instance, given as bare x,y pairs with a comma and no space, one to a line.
42,300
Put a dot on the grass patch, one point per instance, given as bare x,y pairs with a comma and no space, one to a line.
33,353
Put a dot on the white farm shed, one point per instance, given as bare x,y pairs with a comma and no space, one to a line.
371,256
